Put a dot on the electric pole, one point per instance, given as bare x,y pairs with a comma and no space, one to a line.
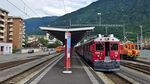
141,42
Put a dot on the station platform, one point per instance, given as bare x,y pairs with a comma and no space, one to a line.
78,76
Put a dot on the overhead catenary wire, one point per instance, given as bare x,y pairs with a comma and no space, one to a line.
18,8
29,7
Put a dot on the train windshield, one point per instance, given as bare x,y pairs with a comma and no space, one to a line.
114,46
99,46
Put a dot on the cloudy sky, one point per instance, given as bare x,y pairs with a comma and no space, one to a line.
40,8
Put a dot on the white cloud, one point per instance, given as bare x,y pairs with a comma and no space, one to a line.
44,7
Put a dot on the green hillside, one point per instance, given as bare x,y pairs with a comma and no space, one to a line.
132,13
33,25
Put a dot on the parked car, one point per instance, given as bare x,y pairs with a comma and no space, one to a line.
31,51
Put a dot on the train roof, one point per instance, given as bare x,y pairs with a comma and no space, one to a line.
108,38
102,38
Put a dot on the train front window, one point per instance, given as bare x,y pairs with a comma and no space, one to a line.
99,46
114,47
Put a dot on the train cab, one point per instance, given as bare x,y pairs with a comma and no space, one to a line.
107,55
102,52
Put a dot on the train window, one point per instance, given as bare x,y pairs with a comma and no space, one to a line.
132,46
129,47
126,46
114,47
99,47
136,46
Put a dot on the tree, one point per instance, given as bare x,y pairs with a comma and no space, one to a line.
43,41
57,43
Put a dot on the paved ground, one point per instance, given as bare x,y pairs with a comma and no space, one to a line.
55,75
135,75
144,56
14,57
143,59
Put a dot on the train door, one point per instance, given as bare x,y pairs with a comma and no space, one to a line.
107,52
107,48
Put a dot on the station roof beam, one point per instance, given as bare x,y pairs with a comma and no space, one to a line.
76,33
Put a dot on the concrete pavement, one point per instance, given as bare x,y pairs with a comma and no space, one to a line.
55,76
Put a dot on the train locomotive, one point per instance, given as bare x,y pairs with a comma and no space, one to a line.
129,51
102,52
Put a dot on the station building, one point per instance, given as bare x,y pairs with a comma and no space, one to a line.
5,48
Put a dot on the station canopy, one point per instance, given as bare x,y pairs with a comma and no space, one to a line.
76,33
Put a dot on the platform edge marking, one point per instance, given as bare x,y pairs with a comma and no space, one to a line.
36,80
90,75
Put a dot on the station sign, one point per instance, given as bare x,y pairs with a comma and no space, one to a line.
68,44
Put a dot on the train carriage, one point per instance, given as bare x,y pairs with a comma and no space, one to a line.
102,52
129,50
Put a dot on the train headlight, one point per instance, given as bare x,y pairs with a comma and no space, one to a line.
101,54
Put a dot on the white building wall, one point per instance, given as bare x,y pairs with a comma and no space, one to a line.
25,50
5,48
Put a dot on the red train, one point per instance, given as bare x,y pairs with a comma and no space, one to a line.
102,52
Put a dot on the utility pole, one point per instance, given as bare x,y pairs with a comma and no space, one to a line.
124,32
106,30
137,41
141,42
99,14
24,9
70,22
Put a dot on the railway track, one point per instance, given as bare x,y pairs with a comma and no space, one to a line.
142,68
117,79
144,62
11,64
108,77
14,79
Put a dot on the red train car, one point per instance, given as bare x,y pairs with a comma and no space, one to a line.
102,52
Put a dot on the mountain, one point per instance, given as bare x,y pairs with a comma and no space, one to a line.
32,24
132,13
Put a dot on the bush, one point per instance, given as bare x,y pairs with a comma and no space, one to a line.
16,50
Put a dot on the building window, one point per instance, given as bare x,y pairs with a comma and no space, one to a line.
9,49
2,48
6,48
